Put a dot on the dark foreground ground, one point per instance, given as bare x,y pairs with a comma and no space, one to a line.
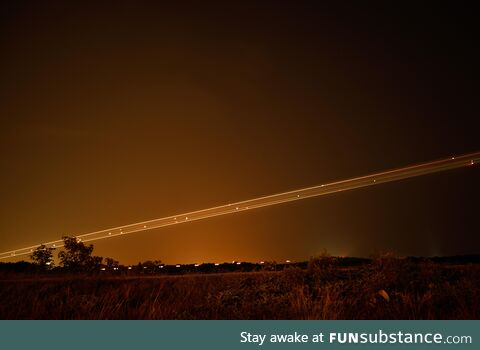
382,289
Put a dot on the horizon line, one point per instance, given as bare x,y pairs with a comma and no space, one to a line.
397,174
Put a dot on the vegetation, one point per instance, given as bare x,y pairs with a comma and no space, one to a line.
324,288
43,257
77,256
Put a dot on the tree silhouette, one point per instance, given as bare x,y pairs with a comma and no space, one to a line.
94,263
111,263
77,256
150,266
43,256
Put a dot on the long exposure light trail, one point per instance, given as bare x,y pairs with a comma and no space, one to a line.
284,197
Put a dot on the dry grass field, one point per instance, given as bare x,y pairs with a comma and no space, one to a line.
383,289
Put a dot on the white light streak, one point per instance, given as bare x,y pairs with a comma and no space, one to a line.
265,201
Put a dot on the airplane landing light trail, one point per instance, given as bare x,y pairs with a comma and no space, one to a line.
315,191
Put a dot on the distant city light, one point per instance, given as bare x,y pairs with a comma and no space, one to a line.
451,162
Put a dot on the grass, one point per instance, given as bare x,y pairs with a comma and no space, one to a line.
386,288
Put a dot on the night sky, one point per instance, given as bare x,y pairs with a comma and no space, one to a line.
114,112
